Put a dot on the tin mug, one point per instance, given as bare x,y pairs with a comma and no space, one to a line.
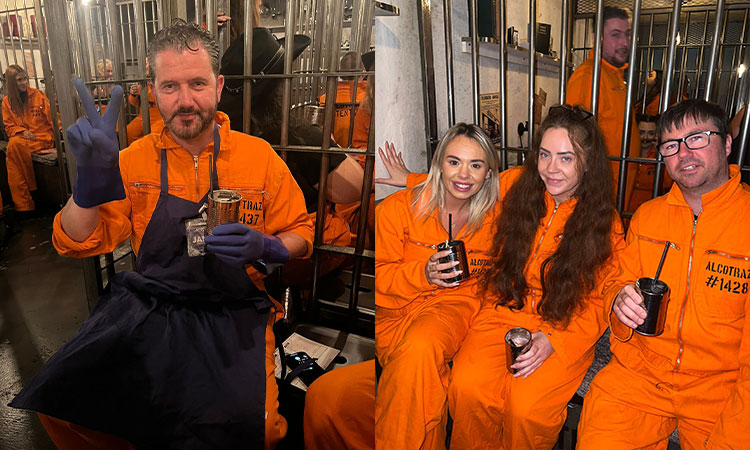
655,295
457,253
223,207
517,340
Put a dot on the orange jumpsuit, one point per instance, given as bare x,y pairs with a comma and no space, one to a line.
490,408
418,326
272,203
340,409
135,127
36,119
611,114
644,182
342,120
696,375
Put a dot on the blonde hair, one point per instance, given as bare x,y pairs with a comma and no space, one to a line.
430,195
101,67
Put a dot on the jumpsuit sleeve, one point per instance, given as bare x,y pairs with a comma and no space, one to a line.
587,326
399,282
733,425
47,111
414,179
113,228
627,264
135,129
286,210
13,125
578,91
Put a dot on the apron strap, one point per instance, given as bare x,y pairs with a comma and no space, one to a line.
164,180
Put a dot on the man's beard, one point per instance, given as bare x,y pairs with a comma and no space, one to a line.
193,130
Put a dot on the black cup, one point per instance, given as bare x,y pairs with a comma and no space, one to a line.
458,253
517,340
655,295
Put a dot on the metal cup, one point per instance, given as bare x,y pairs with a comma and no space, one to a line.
458,253
223,207
655,295
517,340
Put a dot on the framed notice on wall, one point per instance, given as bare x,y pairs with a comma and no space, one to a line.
489,117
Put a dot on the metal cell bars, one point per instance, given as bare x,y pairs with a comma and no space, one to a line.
20,24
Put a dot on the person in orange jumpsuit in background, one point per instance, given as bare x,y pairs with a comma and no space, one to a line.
422,314
556,233
695,376
612,90
343,121
644,179
178,354
28,123
135,127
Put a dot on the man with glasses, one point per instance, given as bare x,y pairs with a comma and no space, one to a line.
695,376
612,89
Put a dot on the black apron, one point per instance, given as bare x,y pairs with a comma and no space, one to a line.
173,355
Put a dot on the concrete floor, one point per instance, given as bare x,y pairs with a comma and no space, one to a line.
42,304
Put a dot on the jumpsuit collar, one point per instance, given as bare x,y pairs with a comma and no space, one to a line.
715,198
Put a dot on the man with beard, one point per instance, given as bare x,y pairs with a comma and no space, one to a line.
178,354
612,90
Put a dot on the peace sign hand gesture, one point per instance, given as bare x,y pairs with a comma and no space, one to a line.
93,142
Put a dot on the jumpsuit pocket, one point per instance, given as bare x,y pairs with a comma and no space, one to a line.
723,278
143,197
251,207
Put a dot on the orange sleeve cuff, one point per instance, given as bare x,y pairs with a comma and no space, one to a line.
414,179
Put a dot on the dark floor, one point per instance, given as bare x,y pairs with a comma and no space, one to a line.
42,304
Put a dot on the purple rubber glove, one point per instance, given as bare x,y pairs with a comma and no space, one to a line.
93,142
238,244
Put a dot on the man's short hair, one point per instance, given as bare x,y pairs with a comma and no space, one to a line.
181,36
646,118
697,110
612,12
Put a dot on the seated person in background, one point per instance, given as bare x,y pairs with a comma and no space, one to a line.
345,176
343,118
102,92
422,314
135,127
28,123
695,376
362,118
554,240
644,179
179,353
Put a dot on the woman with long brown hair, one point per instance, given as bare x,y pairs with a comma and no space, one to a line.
555,236
28,124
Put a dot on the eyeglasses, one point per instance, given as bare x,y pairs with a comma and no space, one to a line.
578,112
694,141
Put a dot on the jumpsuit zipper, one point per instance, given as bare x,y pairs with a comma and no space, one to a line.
197,184
687,295
539,244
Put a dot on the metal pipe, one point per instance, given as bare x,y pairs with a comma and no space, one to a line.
140,30
714,50
744,127
699,65
683,58
318,42
199,12
286,98
667,86
110,15
532,67
424,27
211,14
448,28
503,67
247,83
564,44
334,35
650,62
475,59
628,122
596,74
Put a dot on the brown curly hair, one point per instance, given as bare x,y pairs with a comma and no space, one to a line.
570,273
